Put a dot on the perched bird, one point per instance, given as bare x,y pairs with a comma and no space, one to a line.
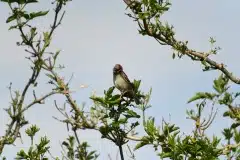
122,83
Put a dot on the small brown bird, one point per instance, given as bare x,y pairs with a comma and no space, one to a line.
123,84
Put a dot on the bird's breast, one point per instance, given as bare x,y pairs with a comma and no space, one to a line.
120,83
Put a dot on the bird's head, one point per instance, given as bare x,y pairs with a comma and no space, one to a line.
117,69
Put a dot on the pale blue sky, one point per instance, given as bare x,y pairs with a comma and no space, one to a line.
95,35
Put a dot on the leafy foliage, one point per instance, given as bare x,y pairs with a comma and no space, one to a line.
34,152
118,118
113,115
80,152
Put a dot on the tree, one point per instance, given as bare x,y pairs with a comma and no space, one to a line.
113,115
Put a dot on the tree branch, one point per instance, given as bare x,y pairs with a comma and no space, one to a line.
39,100
163,37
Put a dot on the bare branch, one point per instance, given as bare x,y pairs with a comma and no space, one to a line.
39,100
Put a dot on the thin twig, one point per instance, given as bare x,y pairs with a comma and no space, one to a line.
39,100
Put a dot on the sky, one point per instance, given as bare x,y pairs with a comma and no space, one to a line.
94,36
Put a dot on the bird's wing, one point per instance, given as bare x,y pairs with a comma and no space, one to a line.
125,77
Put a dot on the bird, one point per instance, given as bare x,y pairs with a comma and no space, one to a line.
123,84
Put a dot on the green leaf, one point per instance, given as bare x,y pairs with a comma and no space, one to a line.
110,91
116,99
135,124
37,14
132,114
136,84
122,121
116,124
165,154
202,95
22,154
46,39
227,114
215,141
11,18
12,27
31,131
150,127
236,136
168,129
227,133
144,141
31,1
235,125
56,54
19,1
220,84
12,1
212,40
20,14
26,16
98,99
227,99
